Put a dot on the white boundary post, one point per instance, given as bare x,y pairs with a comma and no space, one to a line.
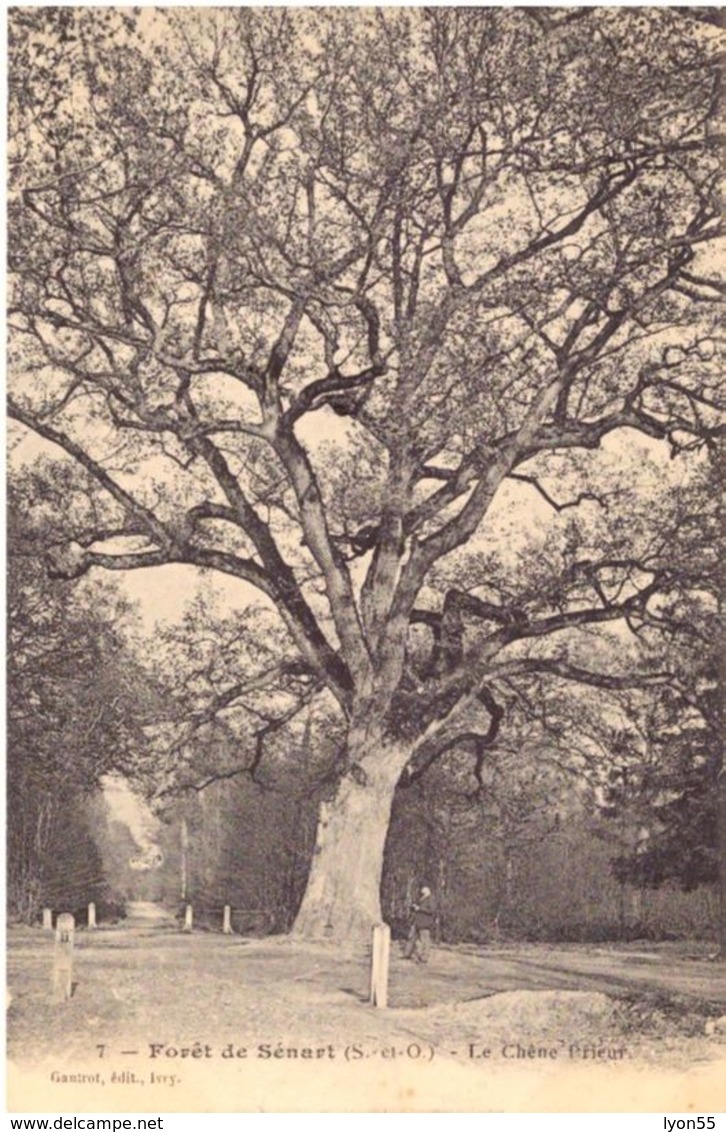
380,958
375,964
62,980
47,920
227,920
188,918
91,916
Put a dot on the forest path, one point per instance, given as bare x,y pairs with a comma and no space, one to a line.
147,914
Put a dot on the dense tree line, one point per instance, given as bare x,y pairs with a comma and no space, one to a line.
75,704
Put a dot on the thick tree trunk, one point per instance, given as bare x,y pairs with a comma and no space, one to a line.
342,899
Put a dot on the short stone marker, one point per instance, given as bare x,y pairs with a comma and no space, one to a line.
188,918
91,916
47,920
227,920
62,981
380,958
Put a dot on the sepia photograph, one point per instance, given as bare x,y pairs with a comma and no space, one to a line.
365,559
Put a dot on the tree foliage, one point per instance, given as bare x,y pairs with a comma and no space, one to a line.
75,704
671,752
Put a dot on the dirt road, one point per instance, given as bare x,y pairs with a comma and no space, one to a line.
137,984
606,970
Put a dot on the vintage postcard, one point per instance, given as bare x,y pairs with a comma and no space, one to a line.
365,598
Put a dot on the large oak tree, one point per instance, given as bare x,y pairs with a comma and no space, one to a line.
468,246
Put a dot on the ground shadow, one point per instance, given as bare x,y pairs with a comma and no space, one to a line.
357,993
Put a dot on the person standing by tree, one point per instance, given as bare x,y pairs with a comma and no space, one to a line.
418,945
